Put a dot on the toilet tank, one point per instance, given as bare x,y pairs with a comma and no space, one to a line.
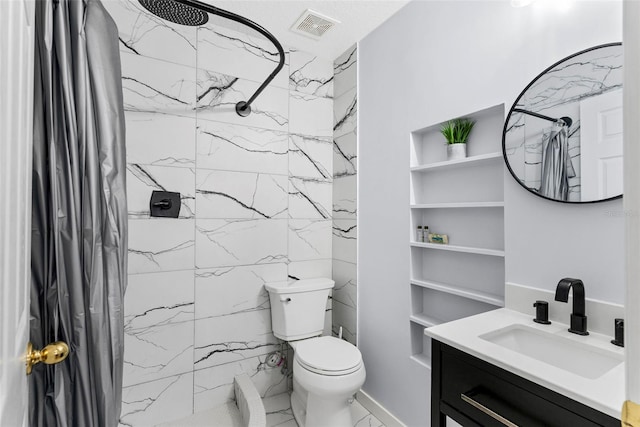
298,307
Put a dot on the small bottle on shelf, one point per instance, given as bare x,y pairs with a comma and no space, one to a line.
419,234
425,234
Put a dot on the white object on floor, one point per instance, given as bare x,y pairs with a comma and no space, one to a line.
249,402
246,411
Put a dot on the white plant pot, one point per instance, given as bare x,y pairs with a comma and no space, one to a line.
456,151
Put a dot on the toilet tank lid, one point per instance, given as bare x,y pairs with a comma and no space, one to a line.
302,285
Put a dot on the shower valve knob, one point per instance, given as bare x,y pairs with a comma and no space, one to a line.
163,204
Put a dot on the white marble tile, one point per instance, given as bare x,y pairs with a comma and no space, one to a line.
214,386
154,86
345,197
328,318
222,242
233,337
288,423
345,276
345,69
309,198
310,157
217,95
224,194
143,33
345,317
586,75
155,402
142,180
345,113
278,409
156,352
309,239
363,418
310,74
310,115
230,290
155,299
310,268
152,248
344,301
345,155
225,146
344,240
161,139
236,53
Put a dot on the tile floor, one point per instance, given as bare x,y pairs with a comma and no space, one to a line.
279,413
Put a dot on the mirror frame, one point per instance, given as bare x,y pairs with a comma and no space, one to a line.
514,105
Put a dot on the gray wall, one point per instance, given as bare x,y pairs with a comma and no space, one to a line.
430,62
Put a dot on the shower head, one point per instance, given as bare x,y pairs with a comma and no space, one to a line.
176,12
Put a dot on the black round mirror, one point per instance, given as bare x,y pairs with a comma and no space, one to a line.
562,139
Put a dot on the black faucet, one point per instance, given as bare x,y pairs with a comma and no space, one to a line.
578,319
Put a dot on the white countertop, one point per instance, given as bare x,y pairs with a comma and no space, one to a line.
605,394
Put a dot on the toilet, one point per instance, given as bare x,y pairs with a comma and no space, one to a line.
327,371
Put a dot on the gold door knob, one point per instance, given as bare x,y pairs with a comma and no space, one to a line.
53,353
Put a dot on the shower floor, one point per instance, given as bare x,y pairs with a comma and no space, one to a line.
279,414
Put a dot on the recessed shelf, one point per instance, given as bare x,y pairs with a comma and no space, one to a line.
466,293
465,199
422,359
452,164
422,319
458,205
465,249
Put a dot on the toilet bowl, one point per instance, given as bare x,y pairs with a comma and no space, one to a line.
327,371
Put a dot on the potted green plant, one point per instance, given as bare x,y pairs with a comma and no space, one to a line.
456,132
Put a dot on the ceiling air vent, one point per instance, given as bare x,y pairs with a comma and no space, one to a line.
313,24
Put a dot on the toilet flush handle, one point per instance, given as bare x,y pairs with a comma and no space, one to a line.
283,299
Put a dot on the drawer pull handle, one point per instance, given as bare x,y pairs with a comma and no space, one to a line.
487,411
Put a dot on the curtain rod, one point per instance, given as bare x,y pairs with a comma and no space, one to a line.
243,108
565,120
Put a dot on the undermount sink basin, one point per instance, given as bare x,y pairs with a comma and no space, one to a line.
564,353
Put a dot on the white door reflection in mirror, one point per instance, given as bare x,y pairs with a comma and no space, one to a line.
601,146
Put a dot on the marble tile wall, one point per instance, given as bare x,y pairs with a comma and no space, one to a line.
256,206
344,195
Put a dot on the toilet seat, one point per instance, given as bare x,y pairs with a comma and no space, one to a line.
328,356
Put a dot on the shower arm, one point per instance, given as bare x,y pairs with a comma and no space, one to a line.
243,108
565,120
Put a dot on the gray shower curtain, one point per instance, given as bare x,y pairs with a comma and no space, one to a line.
79,220
556,164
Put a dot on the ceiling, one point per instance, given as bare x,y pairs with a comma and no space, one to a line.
358,18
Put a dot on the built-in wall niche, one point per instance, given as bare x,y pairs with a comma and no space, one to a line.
428,147
467,274
481,227
463,199
434,307
469,182
421,349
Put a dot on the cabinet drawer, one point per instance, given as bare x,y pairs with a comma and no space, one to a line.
491,396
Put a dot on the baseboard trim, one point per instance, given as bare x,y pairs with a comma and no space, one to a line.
378,411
